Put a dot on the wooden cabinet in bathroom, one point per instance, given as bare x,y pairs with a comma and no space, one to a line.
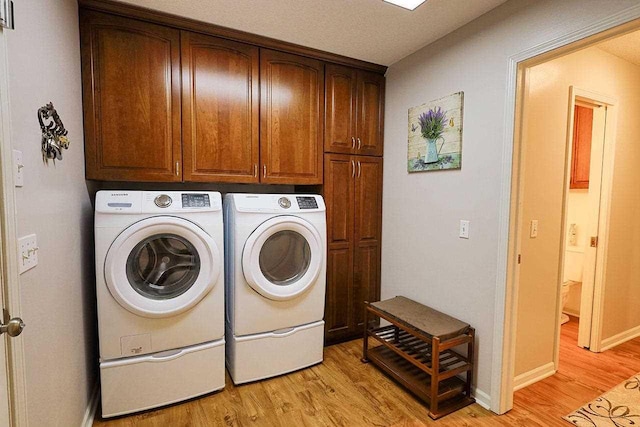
581,153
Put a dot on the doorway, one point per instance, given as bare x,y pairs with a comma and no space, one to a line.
539,231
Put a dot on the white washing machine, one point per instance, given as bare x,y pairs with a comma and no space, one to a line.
160,292
275,249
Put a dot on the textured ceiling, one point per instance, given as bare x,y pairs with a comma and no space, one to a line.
626,47
370,30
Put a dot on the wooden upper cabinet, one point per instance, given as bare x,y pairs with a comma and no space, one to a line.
220,109
582,135
370,113
291,124
341,102
354,112
131,89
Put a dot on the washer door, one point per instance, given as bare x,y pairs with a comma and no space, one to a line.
161,266
282,257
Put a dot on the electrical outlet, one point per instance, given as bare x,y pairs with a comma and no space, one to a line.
27,252
533,231
18,169
464,229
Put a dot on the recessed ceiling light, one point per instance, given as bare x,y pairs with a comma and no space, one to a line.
407,4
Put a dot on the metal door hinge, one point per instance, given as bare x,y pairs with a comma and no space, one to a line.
519,258
594,241
6,14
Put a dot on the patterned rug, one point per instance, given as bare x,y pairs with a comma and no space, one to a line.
619,407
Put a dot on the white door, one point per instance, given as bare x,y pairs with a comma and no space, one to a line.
4,367
4,384
283,257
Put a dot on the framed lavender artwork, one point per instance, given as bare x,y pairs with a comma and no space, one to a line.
435,135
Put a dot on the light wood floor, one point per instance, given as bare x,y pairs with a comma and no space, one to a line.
342,391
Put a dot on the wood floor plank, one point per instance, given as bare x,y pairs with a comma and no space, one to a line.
344,392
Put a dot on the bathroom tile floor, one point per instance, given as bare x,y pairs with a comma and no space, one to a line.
342,391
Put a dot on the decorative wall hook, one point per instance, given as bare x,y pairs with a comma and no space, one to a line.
54,135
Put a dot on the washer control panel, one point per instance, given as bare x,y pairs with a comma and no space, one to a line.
163,201
195,200
307,202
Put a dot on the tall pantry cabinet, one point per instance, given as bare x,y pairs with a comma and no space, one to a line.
353,195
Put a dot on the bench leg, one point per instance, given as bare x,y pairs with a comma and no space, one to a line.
470,356
435,377
365,340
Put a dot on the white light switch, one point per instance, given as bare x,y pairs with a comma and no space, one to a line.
533,232
464,229
27,252
18,169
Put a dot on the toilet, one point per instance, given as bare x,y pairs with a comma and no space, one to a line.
566,287
573,266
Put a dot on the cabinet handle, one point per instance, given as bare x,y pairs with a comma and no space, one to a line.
264,170
353,169
255,169
177,168
359,143
353,143
359,169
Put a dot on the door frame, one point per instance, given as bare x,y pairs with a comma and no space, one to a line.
506,297
9,250
592,297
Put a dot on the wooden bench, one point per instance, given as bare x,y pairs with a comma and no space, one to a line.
417,350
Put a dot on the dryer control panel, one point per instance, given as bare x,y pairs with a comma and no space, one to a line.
277,203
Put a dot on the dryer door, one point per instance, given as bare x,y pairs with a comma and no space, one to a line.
162,266
282,257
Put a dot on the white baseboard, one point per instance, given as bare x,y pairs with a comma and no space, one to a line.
92,406
618,339
533,376
482,398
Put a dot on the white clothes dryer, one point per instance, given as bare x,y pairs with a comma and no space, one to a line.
160,294
275,249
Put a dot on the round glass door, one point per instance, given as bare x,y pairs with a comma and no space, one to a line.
282,257
161,266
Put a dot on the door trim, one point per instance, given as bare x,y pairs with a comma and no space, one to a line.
503,359
11,276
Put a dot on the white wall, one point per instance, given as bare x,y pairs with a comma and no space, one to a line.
422,257
58,295
578,214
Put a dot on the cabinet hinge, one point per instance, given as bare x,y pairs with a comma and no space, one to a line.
6,14
519,258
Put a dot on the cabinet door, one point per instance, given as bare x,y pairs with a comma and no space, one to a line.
131,88
340,111
582,135
367,234
291,123
339,172
370,113
219,109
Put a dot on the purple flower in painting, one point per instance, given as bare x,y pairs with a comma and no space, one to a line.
432,123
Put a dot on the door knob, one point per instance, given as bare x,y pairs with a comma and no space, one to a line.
13,327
